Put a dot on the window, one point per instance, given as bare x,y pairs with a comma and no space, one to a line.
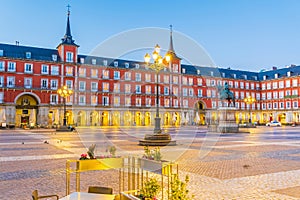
2,66
190,81
281,105
281,95
236,94
214,104
69,71
263,106
148,89
54,84
54,57
148,77
53,99
28,55
1,97
268,86
11,67
295,104
208,93
1,81
82,72
288,105
81,100
81,85
184,92
127,65
116,101
138,102
94,86
167,103
148,102
199,92
295,82
105,87
275,85
198,71
275,105
247,86
175,103
127,101
69,57
138,77
269,95
275,95
207,82
230,83
199,81
166,79
45,69
105,74
263,86
295,92
185,103
175,68
69,84
175,91
127,88
94,62
264,77
82,60
166,90
184,80
281,84
54,70
288,74
242,95
175,79
94,73
138,89
10,81
28,82
288,92
213,93
288,83
212,73
105,101
191,92
1,52
94,100
117,87
242,85
116,75
137,66
116,63
263,96
127,76
183,70
104,62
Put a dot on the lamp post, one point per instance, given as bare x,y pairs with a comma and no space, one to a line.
64,92
249,101
157,66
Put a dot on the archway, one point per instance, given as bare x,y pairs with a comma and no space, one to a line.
176,119
147,119
26,111
167,119
127,118
81,118
70,117
199,113
105,118
138,119
94,118
116,119
281,117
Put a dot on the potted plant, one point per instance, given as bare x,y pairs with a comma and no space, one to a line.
179,189
150,189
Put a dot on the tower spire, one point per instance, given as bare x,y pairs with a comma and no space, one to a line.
67,39
171,48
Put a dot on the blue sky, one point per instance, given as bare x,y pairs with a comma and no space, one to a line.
241,34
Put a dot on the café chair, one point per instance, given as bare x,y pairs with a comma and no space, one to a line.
100,190
35,196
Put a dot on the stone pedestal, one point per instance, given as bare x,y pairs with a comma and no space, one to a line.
227,120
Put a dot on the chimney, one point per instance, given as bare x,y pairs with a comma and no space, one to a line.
274,68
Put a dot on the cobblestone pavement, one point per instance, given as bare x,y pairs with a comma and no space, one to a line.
262,164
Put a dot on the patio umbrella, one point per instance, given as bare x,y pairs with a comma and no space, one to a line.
197,117
32,117
187,118
182,117
3,118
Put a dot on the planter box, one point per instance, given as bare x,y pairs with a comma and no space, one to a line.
159,167
99,164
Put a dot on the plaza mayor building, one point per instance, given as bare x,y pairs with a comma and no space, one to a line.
118,92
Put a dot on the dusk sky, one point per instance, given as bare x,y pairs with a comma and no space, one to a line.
241,34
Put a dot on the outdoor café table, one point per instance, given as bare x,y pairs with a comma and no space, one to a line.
88,196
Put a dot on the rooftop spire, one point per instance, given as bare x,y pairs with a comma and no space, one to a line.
67,39
171,48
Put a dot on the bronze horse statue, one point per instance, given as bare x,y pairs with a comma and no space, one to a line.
226,94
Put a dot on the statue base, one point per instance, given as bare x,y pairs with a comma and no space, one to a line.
160,139
227,120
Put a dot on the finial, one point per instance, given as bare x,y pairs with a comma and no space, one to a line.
171,30
68,6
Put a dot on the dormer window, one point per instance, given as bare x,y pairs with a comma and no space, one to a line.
137,66
116,63
223,74
264,77
288,74
82,60
1,52
245,76
234,76
54,57
276,76
198,71
255,78
212,73
28,55
94,61
183,70
105,62
126,65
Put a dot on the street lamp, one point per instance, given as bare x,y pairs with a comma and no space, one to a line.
64,92
249,101
157,65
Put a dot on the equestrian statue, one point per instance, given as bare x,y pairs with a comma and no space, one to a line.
226,94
